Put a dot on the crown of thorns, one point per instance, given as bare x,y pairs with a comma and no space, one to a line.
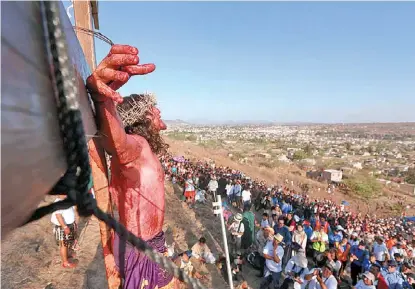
139,108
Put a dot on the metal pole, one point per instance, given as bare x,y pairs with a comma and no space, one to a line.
225,240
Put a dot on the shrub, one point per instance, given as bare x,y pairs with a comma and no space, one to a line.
365,187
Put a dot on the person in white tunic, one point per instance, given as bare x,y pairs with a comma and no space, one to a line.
202,252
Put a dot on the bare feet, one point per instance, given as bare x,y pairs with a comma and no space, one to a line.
68,265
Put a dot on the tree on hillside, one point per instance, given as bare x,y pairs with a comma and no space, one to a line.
366,187
348,146
299,155
410,176
308,149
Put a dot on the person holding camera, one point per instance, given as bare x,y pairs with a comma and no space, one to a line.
273,253
295,271
325,278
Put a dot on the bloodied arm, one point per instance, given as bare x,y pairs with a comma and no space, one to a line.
112,73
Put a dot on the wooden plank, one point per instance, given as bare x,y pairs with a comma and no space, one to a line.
32,156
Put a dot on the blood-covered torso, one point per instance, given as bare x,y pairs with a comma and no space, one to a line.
137,188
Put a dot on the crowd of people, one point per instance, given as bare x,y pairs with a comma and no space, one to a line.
296,241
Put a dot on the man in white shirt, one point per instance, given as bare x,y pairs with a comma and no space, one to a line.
397,250
246,198
273,253
229,192
212,187
380,250
65,232
326,279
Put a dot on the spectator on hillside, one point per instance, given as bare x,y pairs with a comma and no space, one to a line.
283,230
213,187
367,282
237,229
65,232
273,254
246,197
202,253
380,250
359,258
393,278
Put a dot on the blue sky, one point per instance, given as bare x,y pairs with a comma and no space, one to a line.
275,61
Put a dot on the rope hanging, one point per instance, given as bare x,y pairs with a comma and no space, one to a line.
74,183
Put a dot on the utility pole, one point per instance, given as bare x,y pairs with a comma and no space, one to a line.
219,212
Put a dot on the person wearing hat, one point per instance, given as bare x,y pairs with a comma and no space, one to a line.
397,249
273,254
380,281
393,278
237,230
367,282
295,270
325,278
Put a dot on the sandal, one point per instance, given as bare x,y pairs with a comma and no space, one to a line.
68,265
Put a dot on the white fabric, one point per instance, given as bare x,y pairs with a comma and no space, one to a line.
395,250
228,189
380,251
246,195
271,264
312,282
68,215
264,223
189,186
213,185
203,251
297,269
234,229
330,282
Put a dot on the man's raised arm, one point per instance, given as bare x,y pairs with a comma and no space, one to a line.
112,73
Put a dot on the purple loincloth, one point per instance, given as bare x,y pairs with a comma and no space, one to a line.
138,267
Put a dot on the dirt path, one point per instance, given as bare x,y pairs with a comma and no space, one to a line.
30,259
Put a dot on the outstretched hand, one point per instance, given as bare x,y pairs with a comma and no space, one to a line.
114,71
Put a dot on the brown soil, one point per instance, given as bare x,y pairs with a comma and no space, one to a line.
30,257
385,205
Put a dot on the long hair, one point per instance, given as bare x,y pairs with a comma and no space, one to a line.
134,111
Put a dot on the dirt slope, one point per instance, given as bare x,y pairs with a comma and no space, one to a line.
381,206
30,258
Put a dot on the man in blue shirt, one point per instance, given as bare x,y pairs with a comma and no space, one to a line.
360,257
392,277
283,230
308,230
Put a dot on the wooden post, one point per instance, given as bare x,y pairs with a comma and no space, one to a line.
83,18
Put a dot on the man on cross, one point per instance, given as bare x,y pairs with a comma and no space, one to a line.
130,132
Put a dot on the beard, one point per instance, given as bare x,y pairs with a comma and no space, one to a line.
147,130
